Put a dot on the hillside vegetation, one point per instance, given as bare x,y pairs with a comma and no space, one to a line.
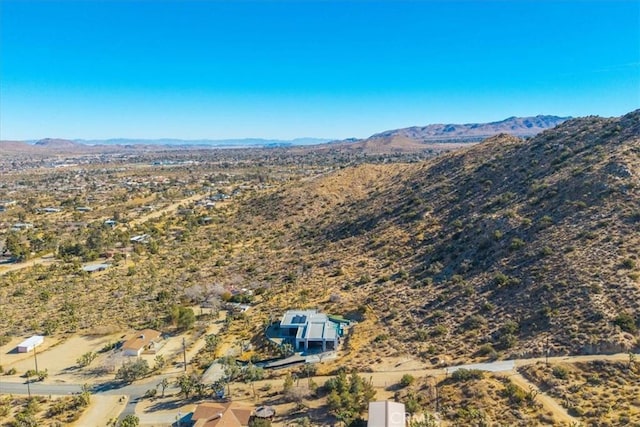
502,248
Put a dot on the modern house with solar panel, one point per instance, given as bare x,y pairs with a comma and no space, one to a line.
309,329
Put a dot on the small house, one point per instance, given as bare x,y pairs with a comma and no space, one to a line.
142,238
146,340
213,414
92,268
30,343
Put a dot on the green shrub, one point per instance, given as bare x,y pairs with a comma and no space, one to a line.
407,380
438,331
467,374
560,372
626,323
629,264
516,243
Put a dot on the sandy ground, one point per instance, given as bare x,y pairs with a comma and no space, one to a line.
59,358
163,411
102,408
172,350
9,355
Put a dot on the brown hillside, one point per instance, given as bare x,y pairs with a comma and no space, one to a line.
494,248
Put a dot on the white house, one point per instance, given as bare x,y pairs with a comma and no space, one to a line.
142,341
310,329
386,414
30,343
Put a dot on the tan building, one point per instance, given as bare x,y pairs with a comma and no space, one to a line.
212,414
142,341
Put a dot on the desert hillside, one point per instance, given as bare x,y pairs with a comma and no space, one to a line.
498,249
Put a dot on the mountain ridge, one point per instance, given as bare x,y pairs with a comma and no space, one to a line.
411,139
501,249
519,126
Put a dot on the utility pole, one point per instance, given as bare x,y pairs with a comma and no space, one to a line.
546,357
29,385
35,358
184,354
437,395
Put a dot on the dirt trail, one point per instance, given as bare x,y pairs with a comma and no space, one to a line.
548,403
160,212
101,409
44,259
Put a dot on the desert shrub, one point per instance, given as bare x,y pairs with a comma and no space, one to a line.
515,394
626,322
473,322
628,264
467,374
407,380
516,243
487,350
560,372
438,331
506,341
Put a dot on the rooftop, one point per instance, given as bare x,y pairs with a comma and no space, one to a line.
212,414
141,339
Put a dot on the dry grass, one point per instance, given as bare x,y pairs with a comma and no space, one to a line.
599,393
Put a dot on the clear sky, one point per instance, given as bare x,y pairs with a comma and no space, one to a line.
286,69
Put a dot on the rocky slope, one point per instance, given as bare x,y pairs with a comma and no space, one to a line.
503,248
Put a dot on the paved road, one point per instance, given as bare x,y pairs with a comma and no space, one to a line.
137,390
110,389
498,366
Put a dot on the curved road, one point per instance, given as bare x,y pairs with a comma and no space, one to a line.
135,391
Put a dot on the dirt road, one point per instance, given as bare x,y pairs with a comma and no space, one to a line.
550,405
160,212
44,259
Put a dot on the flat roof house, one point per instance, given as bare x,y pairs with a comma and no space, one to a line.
141,341
309,328
30,343
386,414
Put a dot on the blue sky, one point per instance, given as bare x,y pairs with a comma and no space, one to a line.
286,69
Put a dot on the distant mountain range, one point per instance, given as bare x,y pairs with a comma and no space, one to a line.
409,139
517,126
239,142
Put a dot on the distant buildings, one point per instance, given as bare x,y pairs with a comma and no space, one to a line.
6,204
51,210
92,268
18,226
142,238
